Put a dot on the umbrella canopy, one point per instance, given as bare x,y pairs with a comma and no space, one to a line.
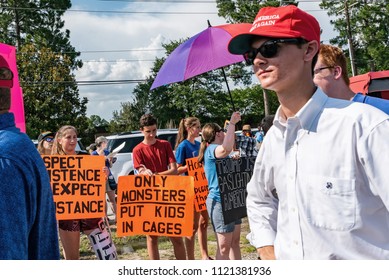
199,54
372,83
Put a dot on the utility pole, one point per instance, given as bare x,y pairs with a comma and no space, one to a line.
350,39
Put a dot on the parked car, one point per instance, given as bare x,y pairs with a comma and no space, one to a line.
123,163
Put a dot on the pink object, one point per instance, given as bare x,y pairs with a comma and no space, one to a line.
17,106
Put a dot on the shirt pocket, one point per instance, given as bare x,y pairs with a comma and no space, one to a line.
331,203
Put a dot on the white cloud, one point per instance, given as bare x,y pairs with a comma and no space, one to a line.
144,32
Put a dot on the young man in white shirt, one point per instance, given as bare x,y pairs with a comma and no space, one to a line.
330,74
320,185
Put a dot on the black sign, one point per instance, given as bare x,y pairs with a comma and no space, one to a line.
233,177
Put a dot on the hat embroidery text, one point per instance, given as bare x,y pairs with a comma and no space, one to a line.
264,21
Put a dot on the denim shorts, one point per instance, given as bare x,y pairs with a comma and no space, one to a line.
215,213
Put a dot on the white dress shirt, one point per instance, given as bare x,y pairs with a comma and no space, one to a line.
329,168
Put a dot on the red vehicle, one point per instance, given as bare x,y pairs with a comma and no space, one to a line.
372,83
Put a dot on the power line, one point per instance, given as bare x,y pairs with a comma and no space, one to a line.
104,51
110,11
119,60
130,50
84,83
159,1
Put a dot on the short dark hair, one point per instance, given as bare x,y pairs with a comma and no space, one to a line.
5,92
266,123
147,120
5,99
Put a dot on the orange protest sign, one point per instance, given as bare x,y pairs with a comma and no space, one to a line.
155,205
78,185
196,170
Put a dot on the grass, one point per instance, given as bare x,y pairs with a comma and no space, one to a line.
134,247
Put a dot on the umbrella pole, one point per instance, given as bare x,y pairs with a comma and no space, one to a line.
228,88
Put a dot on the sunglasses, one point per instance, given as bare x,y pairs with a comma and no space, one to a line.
49,139
269,49
222,130
318,70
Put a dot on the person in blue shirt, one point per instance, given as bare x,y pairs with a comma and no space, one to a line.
27,213
218,144
263,128
330,74
188,147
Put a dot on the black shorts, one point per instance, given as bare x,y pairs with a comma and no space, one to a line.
80,225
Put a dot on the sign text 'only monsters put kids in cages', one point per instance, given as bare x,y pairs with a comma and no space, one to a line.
155,205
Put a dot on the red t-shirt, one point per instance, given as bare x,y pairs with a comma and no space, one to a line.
156,157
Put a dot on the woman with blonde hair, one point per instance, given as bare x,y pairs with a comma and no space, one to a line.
218,143
187,147
65,143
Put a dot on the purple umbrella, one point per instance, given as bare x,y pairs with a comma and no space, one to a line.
201,53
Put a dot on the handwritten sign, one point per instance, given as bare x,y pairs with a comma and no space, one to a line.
233,176
155,205
196,170
78,185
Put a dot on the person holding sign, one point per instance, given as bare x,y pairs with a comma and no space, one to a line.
65,142
319,189
28,227
151,157
187,147
219,144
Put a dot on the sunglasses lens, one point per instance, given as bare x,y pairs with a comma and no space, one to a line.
268,50
49,139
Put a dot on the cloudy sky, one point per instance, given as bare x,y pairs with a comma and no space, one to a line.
120,39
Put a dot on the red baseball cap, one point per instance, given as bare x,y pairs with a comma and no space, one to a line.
276,22
6,75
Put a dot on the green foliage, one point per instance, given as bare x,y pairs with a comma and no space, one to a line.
369,30
204,96
51,96
45,60
237,11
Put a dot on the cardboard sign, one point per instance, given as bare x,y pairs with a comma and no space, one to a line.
155,205
78,185
196,170
233,176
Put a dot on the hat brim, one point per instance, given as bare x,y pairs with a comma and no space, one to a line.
45,135
241,43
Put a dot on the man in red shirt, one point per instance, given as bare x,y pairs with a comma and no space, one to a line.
155,157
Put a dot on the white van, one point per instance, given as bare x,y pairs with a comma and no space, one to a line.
123,163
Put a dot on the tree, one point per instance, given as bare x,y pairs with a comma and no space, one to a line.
369,30
45,60
203,96
39,22
96,126
51,96
237,11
